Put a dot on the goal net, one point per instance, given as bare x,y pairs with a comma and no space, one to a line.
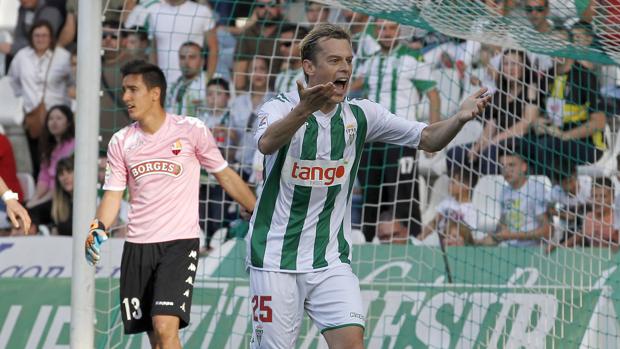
506,238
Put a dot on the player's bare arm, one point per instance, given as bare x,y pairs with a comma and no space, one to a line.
436,136
236,188
109,207
14,209
310,100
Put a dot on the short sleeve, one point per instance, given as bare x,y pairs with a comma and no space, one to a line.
384,126
116,170
269,113
207,152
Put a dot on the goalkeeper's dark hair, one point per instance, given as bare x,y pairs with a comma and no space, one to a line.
151,75
310,44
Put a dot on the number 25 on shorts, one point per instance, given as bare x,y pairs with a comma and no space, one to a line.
261,311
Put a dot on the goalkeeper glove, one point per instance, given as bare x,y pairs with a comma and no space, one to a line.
96,236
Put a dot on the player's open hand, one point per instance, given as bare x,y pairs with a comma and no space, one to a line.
475,104
96,237
17,213
315,97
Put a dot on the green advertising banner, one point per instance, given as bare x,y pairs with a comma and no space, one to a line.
498,298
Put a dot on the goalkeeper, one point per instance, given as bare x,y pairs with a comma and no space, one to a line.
159,158
299,245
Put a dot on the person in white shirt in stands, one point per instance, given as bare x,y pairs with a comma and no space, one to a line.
40,72
289,40
173,22
188,93
524,218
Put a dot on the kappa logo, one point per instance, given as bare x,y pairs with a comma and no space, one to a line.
190,281
176,147
193,254
156,166
316,173
191,267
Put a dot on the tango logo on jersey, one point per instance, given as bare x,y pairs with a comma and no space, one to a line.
151,167
316,173
176,147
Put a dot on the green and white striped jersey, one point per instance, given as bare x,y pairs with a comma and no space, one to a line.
397,81
302,221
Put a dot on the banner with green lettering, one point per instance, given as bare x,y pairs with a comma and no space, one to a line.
498,298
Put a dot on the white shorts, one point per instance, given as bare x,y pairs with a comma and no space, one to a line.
331,297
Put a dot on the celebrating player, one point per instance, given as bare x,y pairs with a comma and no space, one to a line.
299,245
158,158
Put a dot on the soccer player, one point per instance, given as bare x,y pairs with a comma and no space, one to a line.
299,244
158,157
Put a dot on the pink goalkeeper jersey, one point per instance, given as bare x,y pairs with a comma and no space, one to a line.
162,171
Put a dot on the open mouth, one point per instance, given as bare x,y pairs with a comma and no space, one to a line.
130,108
341,84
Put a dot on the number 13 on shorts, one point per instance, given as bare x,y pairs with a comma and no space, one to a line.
261,309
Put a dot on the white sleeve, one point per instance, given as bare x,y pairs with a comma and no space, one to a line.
137,17
15,73
270,112
384,126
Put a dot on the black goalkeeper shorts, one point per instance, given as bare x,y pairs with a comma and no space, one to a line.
157,279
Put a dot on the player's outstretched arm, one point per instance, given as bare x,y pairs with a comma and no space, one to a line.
106,215
436,136
236,188
310,100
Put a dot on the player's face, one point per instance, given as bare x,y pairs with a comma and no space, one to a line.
138,98
190,61
57,123
65,178
332,63
259,73
217,98
388,33
41,39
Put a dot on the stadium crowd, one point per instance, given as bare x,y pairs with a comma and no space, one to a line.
541,154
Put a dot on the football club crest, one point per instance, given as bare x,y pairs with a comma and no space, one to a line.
176,147
350,131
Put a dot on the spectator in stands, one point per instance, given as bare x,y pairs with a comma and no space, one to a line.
114,11
259,39
172,23
113,112
388,173
243,111
8,169
391,230
456,216
57,142
569,199
29,13
218,119
316,13
135,43
513,110
364,42
41,74
288,42
537,12
524,218
599,228
187,94
571,134
62,201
